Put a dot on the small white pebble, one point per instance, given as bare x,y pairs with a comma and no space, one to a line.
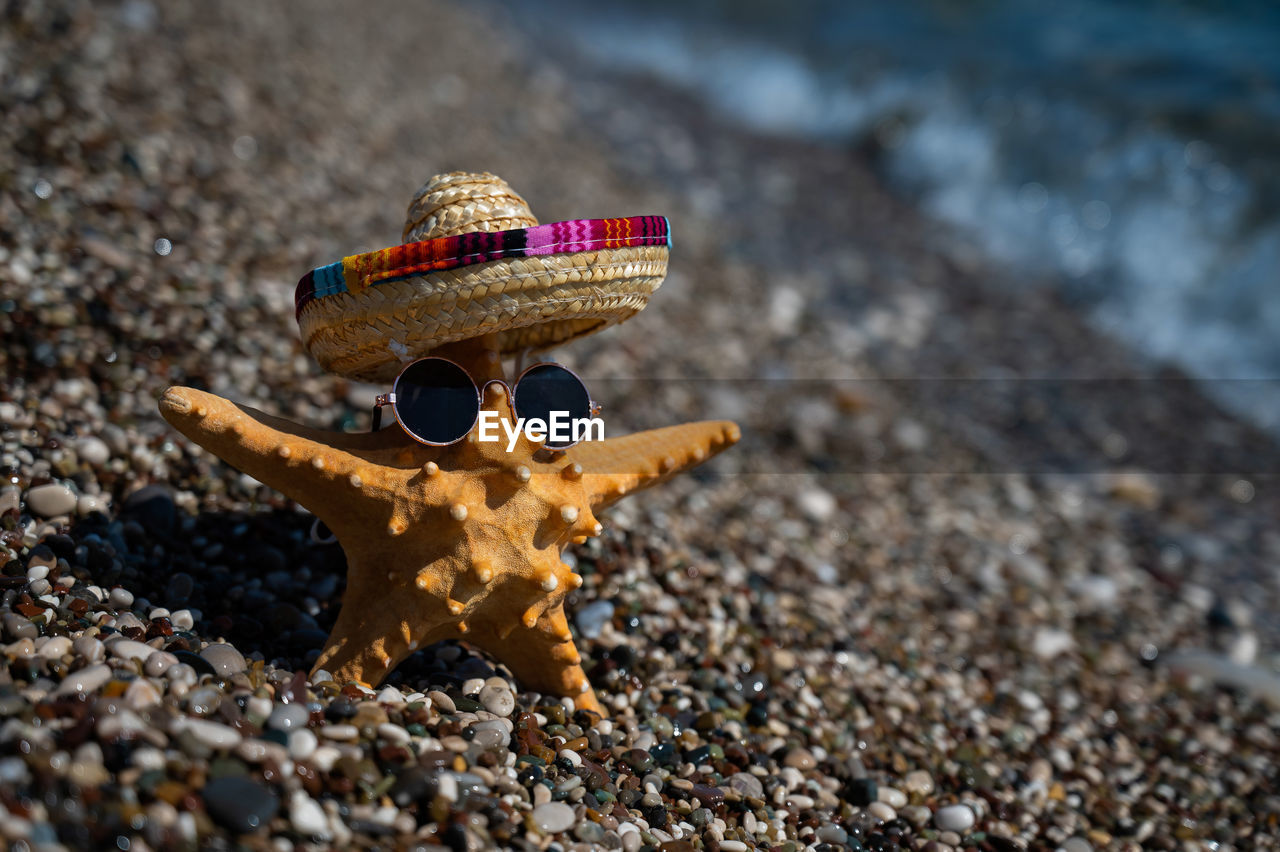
881,811
957,818
340,732
302,744
393,733
893,797
324,757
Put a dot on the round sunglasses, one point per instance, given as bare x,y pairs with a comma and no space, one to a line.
436,402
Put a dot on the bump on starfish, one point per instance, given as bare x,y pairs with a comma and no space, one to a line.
467,549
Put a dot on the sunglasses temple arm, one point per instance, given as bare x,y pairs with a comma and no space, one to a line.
383,399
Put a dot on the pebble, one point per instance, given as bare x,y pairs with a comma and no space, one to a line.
881,811
182,619
1049,642
592,618
51,500
554,817
958,818
239,804
87,504
122,723
181,672
128,649
204,701
391,695
212,734
393,733
287,717
18,627
93,450
918,783
917,815
892,796
748,785
498,700
128,621
831,833
158,663
120,598
1076,844
340,732
442,702
87,679
153,507
55,648
302,743
141,693
225,659
801,759
307,817
179,588
90,649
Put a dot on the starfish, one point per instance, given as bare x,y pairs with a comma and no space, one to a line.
455,542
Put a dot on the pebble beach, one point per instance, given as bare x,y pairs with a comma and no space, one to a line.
975,577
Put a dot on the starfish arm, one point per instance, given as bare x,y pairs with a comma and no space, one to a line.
544,659
613,468
311,466
372,635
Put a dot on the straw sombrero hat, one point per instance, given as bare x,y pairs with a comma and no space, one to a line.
476,262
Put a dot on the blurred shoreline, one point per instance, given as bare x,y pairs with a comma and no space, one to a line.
1120,154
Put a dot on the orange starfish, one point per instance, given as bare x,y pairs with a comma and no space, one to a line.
456,542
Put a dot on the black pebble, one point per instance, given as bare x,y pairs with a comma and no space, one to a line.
340,709
860,791
197,662
153,507
238,804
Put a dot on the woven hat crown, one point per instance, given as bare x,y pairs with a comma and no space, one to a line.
464,202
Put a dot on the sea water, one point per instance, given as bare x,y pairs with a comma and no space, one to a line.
1125,152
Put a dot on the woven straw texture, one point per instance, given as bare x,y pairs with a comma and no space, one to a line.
530,303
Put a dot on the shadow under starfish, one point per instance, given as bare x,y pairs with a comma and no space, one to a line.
462,541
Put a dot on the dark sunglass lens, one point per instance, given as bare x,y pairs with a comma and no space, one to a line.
550,388
436,400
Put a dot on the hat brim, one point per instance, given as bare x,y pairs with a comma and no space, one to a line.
365,318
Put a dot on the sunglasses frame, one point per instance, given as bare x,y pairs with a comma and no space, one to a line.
593,407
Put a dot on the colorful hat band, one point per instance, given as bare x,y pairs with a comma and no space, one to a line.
358,272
